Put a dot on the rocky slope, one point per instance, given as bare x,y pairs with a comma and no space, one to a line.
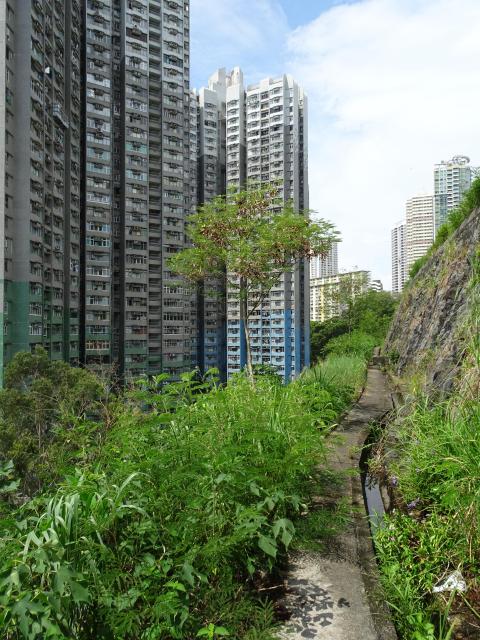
429,332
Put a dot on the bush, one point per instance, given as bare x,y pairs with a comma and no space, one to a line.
372,312
417,265
322,332
49,411
369,313
356,343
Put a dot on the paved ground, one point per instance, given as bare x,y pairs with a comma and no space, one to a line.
336,594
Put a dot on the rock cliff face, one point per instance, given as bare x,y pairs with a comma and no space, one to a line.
430,329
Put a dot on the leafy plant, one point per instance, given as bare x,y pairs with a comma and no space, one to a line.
48,412
369,314
355,343
211,632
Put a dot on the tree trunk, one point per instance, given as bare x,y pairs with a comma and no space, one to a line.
244,318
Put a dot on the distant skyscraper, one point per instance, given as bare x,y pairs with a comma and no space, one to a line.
211,181
257,135
451,180
323,267
399,257
420,227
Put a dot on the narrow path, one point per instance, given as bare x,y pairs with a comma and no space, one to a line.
336,594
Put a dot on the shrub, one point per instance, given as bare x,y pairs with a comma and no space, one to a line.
369,313
417,265
322,332
49,411
356,343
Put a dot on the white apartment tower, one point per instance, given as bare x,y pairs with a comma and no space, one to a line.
322,267
451,180
399,257
210,138
235,130
266,141
420,227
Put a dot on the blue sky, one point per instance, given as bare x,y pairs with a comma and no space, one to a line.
393,88
303,11
208,47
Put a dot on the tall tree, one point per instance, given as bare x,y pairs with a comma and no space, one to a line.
254,238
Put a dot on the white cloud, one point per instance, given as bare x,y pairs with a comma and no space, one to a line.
227,33
394,86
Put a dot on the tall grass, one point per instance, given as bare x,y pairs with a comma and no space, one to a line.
183,511
340,372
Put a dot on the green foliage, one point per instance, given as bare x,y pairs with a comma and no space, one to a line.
436,527
372,312
242,235
418,264
368,314
470,201
342,375
42,405
250,238
192,494
355,343
439,478
322,332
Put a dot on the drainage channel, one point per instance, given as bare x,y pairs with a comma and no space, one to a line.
371,488
372,495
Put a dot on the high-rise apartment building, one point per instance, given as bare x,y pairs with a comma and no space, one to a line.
399,257
330,295
266,131
252,135
97,181
419,227
322,267
40,60
211,181
451,180
236,141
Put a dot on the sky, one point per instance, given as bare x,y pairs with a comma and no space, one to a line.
393,88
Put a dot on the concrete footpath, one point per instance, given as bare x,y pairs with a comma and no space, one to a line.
336,594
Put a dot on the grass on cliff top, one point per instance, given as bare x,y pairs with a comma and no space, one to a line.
434,467
470,201
178,515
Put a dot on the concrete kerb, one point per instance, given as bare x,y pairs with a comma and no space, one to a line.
337,594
